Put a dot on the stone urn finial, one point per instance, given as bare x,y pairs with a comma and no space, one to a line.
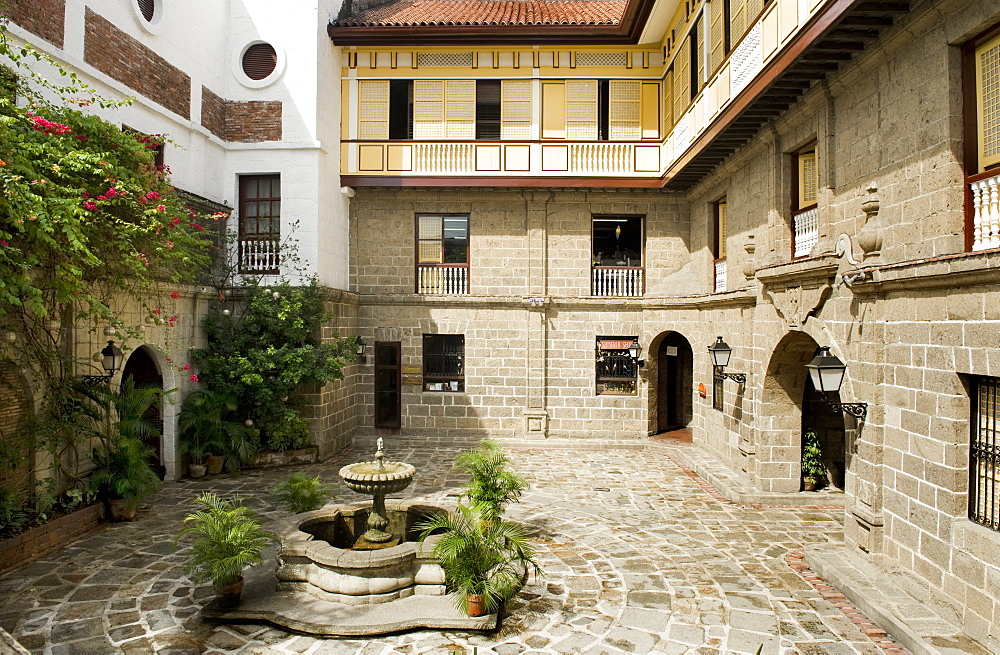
869,239
749,264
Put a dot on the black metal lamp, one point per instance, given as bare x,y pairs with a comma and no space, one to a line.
721,352
361,346
634,351
827,374
111,358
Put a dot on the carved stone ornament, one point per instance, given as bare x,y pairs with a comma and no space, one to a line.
797,303
749,265
869,239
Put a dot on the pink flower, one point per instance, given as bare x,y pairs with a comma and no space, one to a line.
90,205
5,244
169,359
102,197
161,208
193,378
157,310
197,227
186,367
153,195
175,294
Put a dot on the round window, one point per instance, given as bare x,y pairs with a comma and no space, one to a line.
148,9
259,61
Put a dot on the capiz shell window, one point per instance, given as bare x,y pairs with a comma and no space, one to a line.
444,362
616,369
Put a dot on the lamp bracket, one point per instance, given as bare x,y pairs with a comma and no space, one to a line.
738,378
857,410
96,380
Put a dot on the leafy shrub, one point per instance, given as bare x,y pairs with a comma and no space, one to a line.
302,493
12,514
491,486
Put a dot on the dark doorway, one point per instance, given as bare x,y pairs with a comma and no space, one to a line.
387,384
817,415
142,370
674,365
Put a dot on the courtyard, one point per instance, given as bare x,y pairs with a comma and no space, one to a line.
639,556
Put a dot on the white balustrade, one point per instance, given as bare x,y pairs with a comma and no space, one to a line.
444,157
986,219
440,280
747,60
806,232
720,276
258,255
600,158
616,282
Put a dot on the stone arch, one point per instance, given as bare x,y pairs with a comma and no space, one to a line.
145,362
670,361
789,405
15,408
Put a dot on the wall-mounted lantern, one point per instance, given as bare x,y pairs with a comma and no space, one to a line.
361,346
827,373
720,352
634,351
111,358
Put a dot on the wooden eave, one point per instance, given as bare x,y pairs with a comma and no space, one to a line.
627,32
831,38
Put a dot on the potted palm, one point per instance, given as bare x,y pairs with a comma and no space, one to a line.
491,485
485,562
208,431
228,538
813,470
122,475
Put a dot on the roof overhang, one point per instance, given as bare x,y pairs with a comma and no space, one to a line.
628,31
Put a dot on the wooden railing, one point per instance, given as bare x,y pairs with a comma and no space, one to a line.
617,281
258,255
806,232
443,279
986,213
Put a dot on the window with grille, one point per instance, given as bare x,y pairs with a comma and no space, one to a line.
442,254
984,454
805,186
805,194
444,362
488,109
987,82
259,223
616,369
719,242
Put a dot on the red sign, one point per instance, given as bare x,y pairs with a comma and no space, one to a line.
702,391
607,344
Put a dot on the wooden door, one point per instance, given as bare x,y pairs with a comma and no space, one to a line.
388,384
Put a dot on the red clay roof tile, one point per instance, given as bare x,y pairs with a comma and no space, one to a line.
489,12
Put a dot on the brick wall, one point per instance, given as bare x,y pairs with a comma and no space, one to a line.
123,58
46,18
14,407
252,121
213,113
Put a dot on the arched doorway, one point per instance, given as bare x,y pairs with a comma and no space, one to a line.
674,380
792,406
141,368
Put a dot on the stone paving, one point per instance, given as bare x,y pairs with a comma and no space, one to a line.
638,558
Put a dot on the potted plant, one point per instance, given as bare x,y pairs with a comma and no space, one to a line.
228,537
122,476
208,431
813,470
491,486
301,493
485,562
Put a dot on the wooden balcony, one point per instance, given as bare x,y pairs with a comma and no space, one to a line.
618,281
443,279
986,213
514,159
259,254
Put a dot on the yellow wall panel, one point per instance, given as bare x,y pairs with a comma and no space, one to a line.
555,158
370,158
553,110
650,116
399,157
788,17
769,31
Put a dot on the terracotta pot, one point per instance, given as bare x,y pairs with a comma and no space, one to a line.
121,509
810,484
229,595
196,470
475,605
215,463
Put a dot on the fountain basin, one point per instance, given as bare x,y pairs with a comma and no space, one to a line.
316,556
367,478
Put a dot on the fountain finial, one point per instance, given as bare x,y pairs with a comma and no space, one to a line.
379,454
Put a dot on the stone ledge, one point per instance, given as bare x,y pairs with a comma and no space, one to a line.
925,625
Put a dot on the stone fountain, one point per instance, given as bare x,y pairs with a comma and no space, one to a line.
356,569
377,479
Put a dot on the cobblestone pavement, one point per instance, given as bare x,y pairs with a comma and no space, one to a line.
638,558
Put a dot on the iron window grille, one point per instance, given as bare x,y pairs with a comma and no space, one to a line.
984,454
444,362
616,370
260,223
